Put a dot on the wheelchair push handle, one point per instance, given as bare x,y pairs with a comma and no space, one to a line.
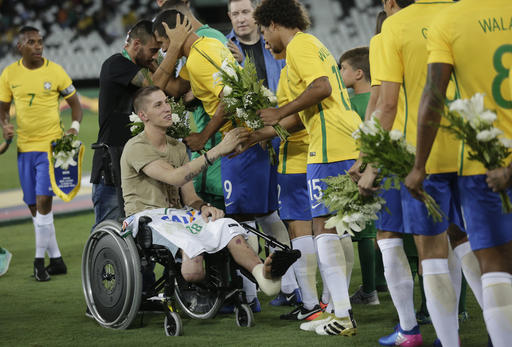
100,145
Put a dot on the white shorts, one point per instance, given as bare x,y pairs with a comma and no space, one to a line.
186,230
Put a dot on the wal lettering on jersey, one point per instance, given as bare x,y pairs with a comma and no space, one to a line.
495,24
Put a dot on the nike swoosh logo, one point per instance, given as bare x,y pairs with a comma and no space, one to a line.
301,316
16,86
229,204
289,298
316,205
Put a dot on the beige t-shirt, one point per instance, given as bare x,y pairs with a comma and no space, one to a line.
140,191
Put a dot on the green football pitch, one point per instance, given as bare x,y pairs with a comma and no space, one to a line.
52,313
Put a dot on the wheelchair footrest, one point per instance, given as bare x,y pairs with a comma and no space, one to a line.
282,260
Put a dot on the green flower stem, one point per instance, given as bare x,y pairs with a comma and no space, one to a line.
505,202
281,132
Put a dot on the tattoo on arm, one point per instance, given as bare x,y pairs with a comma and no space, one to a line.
196,172
138,79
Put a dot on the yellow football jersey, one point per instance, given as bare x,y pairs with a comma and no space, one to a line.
36,98
476,38
375,57
404,43
293,153
200,72
330,124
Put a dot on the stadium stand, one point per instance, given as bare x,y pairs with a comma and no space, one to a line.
81,34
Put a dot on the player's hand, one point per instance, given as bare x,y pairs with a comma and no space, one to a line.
72,131
242,147
180,33
188,97
499,179
355,170
232,140
235,51
195,142
414,182
8,131
269,116
211,212
366,183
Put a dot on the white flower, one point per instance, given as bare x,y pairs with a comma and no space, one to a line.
133,128
506,142
76,144
369,127
228,69
410,148
488,135
134,118
395,135
470,109
227,90
488,117
64,160
356,134
241,114
175,118
273,100
269,95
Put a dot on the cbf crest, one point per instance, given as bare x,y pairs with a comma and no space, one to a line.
47,85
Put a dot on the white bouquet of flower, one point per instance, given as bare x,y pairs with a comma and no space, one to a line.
392,156
353,211
473,124
180,127
243,94
64,151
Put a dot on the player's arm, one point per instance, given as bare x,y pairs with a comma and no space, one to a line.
7,127
196,141
190,198
164,76
385,112
291,124
429,117
76,113
317,90
162,171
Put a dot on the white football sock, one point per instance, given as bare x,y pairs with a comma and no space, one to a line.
41,241
305,270
497,300
249,287
42,226
455,269
288,281
332,264
399,279
326,297
272,225
252,239
53,247
441,300
471,269
348,251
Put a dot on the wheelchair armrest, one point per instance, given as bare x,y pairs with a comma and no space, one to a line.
145,234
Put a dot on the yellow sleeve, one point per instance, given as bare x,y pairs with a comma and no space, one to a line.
65,84
374,59
184,73
5,90
391,68
438,44
303,56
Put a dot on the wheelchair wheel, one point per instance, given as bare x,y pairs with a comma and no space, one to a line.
244,316
172,324
111,276
195,301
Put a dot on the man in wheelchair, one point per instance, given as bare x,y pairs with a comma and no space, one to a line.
156,177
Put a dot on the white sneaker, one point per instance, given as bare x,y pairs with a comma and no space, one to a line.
323,318
5,259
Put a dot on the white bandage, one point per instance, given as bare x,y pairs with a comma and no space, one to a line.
269,287
75,125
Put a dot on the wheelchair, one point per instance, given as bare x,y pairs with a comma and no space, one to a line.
113,268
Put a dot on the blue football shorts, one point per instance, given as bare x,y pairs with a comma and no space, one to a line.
293,197
249,182
486,224
33,171
315,174
445,191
